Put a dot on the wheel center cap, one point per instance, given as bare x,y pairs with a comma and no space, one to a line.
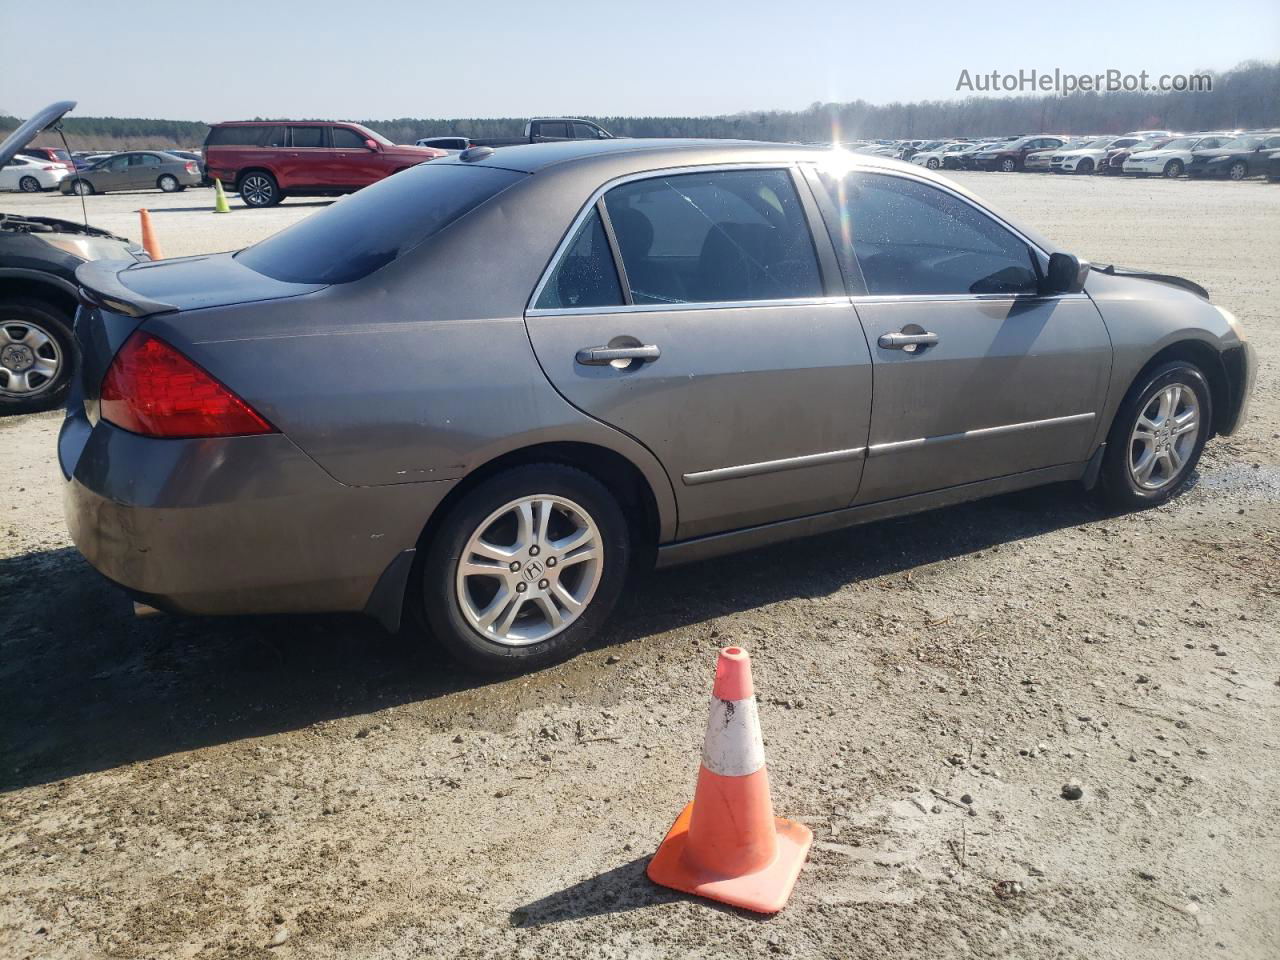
532,570
18,357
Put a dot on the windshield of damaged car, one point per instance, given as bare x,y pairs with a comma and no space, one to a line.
371,228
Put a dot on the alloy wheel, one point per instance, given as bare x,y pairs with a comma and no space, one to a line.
30,359
1164,437
1237,171
29,185
257,190
82,188
530,569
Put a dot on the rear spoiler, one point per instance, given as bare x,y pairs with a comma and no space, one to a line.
100,286
1190,286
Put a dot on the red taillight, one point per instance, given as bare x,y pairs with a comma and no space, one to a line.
154,390
191,167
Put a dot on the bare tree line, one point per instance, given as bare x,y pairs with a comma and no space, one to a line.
1246,97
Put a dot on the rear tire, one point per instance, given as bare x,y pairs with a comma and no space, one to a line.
24,388
506,621
168,183
29,184
1140,429
259,189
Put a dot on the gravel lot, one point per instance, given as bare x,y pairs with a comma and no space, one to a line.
188,788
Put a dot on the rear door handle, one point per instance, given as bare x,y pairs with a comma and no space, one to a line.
897,341
601,356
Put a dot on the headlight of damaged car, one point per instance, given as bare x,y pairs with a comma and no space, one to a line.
89,248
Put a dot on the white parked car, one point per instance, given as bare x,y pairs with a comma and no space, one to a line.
1088,159
31,176
933,159
1174,157
1039,160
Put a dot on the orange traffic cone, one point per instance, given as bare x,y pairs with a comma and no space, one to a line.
727,845
149,243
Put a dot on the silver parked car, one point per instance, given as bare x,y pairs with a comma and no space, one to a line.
136,170
483,389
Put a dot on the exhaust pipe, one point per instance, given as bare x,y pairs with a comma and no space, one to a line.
144,610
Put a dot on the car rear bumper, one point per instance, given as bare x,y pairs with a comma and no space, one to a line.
231,526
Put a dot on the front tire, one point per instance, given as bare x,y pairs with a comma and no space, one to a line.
1157,437
37,356
931,163
525,568
29,184
1173,169
1084,167
1008,165
1239,170
168,183
82,188
259,189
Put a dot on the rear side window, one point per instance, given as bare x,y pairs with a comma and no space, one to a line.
585,275
554,128
239,136
730,235
909,238
307,136
367,230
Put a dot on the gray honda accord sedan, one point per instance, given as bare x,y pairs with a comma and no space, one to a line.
477,394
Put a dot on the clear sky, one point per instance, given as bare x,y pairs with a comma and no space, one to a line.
379,59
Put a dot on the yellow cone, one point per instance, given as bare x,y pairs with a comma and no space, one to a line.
219,198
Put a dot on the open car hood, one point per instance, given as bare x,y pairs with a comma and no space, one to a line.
41,120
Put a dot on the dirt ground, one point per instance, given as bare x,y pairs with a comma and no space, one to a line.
197,788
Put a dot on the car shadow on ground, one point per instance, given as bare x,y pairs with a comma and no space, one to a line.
86,686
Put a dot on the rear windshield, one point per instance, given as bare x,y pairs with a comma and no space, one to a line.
367,230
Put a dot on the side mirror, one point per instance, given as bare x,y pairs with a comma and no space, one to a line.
1066,274
372,145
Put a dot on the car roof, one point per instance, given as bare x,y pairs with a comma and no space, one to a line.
268,123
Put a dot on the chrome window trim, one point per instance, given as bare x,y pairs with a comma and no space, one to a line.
841,301
898,446
789,166
771,466
869,298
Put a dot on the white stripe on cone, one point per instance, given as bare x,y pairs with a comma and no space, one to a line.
733,747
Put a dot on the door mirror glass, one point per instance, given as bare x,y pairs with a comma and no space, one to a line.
1065,275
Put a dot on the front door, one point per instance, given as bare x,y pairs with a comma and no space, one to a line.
716,345
976,375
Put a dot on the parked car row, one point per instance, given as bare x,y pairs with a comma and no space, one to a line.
1231,155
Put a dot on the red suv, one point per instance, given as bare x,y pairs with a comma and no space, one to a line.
268,161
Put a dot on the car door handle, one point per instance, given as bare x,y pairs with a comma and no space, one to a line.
897,341
600,356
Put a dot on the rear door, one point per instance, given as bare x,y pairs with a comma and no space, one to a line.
721,344
305,161
977,376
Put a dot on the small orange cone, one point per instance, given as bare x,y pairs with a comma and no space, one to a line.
149,242
727,845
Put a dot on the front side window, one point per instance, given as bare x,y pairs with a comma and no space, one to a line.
722,236
584,131
585,275
344,138
912,239
307,136
118,163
